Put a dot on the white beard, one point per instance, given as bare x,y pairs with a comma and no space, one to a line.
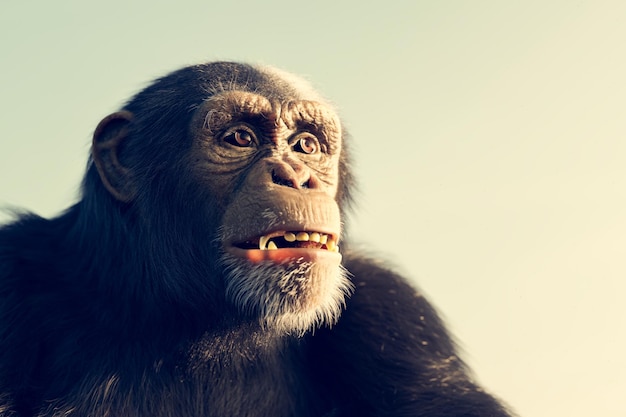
292,297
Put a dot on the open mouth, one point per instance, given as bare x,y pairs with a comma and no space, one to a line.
291,239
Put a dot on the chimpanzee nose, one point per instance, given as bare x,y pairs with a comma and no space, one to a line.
288,181
292,173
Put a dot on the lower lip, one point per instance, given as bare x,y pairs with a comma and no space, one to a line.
287,255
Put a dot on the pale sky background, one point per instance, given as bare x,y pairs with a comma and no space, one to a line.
490,142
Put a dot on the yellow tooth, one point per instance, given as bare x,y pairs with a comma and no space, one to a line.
314,237
263,241
323,239
331,245
302,237
272,245
290,237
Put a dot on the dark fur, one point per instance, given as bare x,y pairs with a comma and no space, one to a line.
104,314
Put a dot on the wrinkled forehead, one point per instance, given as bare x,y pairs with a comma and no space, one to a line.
277,96
264,80
292,113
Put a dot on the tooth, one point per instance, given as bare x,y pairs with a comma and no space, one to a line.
272,246
331,245
263,241
336,248
290,237
302,237
323,239
314,237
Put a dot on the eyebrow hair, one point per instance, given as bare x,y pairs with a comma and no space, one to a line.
259,110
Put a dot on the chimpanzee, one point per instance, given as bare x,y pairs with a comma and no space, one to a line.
205,272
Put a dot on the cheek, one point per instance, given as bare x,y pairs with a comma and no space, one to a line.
328,172
217,183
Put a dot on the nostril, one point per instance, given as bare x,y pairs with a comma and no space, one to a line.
279,180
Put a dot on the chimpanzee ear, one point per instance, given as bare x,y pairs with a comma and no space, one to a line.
106,150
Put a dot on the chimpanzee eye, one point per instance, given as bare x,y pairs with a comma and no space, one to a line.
307,144
239,137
